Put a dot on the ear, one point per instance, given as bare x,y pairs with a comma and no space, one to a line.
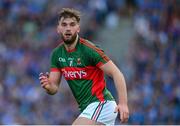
58,31
78,29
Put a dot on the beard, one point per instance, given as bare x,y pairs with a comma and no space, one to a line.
69,40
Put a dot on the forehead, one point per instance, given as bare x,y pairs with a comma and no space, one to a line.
68,20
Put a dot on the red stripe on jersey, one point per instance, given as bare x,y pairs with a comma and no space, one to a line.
88,73
55,70
72,50
98,84
101,53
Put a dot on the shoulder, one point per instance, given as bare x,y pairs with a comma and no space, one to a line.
58,48
93,52
57,51
89,46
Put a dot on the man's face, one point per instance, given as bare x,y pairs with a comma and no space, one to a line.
68,28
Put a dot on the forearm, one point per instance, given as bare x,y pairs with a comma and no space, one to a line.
122,107
53,83
112,70
120,86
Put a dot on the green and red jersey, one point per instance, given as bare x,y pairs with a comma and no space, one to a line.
80,67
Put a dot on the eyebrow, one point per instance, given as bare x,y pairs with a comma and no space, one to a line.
74,20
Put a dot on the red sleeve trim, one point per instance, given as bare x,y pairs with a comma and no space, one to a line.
55,70
99,64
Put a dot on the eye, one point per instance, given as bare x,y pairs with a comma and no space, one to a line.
63,24
72,24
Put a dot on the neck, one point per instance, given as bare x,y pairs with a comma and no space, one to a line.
72,46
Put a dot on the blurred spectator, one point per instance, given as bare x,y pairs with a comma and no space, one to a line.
156,63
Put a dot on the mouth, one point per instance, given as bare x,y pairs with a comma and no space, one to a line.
68,34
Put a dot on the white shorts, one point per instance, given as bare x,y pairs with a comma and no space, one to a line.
102,112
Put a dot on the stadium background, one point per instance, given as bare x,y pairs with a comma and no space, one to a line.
140,36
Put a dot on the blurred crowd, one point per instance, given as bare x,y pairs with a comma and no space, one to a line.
154,63
152,70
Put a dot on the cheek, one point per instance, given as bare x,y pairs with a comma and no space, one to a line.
60,30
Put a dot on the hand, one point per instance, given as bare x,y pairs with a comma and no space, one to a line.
44,80
124,112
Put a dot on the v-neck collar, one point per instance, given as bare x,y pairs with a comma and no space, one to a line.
72,50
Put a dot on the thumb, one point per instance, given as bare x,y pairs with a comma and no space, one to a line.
116,109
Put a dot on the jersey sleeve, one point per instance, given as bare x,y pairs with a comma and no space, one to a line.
99,57
54,62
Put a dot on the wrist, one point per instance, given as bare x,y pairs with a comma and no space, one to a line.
123,102
51,89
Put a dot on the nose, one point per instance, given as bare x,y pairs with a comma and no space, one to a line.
68,28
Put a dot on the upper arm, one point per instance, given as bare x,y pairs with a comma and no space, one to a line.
102,61
55,72
110,68
55,77
98,57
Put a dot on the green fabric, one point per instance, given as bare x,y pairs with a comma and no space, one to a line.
80,70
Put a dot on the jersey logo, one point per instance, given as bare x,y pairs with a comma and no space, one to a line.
62,59
70,61
78,61
76,74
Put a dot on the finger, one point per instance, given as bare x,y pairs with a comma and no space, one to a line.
125,116
44,81
41,74
47,74
126,120
122,117
44,85
44,74
42,77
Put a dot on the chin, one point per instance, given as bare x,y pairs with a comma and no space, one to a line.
68,41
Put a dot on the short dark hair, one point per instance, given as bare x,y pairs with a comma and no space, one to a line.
69,13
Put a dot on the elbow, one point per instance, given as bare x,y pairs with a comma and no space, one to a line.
117,73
